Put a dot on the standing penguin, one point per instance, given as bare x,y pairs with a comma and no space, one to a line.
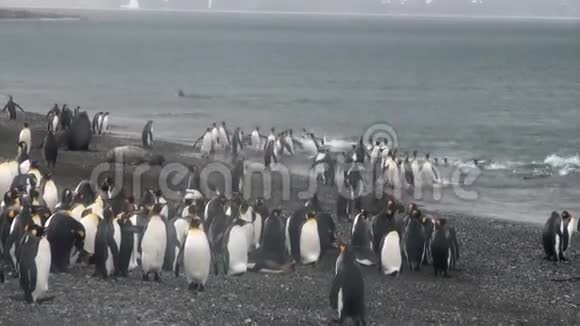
196,256
571,227
105,125
347,294
97,121
91,224
153,244
107,244
256,139
34,263
25,136
234,251
441,248
12,106
236,141
310,244
555,235
260,213
50,150
272,257
224,135
53,118
414,241
147,134
381,224
390,259
361,242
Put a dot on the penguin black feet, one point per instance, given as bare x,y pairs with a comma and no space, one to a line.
193,286
146,277
201,288
157,278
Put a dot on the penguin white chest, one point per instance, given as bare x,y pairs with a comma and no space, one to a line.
42,261
50,195
135,254
181,225
153,245
257,230
90,223
196,257
391,259
310,242
237,249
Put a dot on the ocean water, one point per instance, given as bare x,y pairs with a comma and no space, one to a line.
506,92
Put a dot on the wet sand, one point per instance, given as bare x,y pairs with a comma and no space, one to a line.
502,278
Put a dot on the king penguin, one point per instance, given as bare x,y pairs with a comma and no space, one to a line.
361,242
107,244
554,234
26,137
272,256
196,256
153,244
390,259
105,125
147,135
234,251
441,248
347,293
97,121
414,241
50,150
310,244
34,263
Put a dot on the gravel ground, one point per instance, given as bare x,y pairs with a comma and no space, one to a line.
501,279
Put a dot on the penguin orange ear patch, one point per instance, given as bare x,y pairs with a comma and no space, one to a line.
34,232
342,247
82,234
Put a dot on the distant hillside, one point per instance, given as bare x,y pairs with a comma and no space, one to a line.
27,14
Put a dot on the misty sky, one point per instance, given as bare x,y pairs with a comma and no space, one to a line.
492,7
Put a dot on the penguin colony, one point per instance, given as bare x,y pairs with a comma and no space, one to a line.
43,231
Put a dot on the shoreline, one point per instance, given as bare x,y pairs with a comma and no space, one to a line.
502,278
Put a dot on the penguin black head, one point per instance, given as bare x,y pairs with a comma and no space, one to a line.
364,214
390,206
34,230
107,184
277,212
195,223
156,210
26,125
416,213
566,215
311,214
215,124
107,213
193,209
441,222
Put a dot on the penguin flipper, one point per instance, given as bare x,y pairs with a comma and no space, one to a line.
334,289
112,244
180,258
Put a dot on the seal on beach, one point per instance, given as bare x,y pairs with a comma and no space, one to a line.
66,117
107,245
196,256
234,251
34,263
147,135
414,241
11,106
79,134
64,233
133,155
97,123
555,236
347,293
153,244
361,242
